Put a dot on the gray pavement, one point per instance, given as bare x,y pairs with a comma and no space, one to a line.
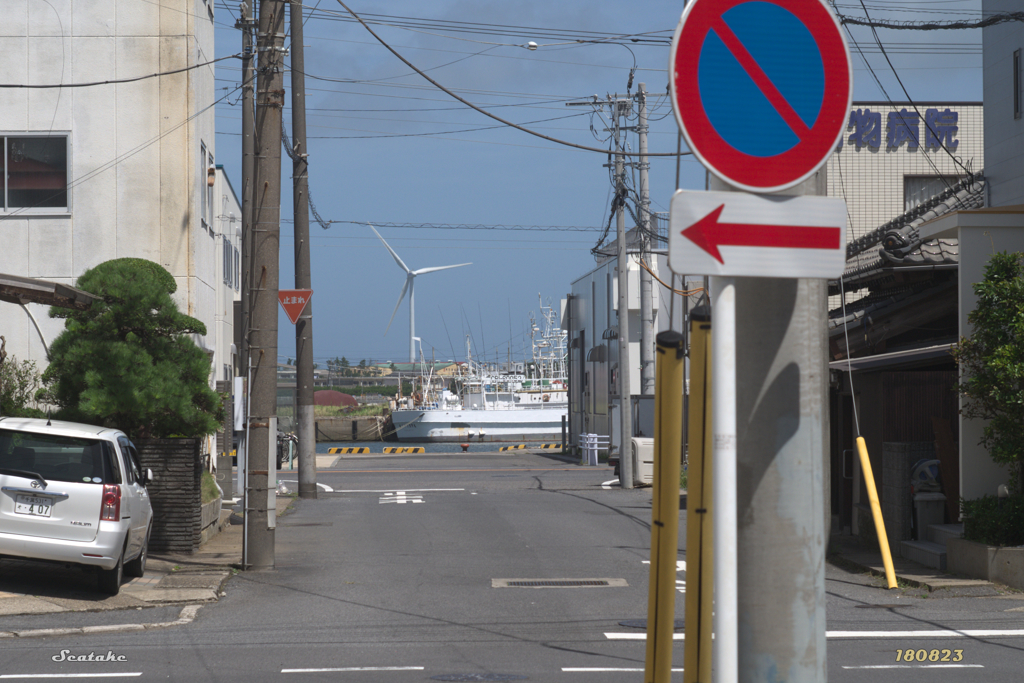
173,581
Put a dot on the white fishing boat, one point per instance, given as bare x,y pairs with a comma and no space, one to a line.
493,406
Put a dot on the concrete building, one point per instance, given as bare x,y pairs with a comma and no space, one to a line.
893,157
110,171
590,315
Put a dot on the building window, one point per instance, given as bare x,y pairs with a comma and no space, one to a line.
227,262
35,172
237,264
206,189
919,189
1016,84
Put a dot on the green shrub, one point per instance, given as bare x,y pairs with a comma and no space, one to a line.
994,521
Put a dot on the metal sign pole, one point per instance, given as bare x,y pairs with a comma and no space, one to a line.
723,351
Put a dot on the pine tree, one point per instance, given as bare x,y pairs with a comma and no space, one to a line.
129,361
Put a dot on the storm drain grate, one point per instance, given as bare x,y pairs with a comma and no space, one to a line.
478,677
557,583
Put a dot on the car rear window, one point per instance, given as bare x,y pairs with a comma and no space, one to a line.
59,458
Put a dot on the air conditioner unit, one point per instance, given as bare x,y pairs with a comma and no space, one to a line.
643,460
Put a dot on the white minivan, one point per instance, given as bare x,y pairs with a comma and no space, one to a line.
74,493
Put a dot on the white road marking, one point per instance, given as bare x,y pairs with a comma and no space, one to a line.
587,670
680,567
389,490
918,666
90,675
943,633
936,633
637,636
325,487
400,497
353,668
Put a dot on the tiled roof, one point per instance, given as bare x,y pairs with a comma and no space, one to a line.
897,243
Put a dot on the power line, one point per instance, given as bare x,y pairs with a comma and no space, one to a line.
119,80
490,115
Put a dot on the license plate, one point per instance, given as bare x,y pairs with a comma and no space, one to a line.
33,505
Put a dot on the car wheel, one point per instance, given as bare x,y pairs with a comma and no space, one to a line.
137,567
109,580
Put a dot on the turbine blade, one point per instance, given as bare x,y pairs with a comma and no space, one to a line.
431,270
401,296
397,260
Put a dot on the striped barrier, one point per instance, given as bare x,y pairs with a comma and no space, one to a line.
349,450
526,445
513,448
404,449
548,445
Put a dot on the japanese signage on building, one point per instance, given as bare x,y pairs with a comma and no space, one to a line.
903,129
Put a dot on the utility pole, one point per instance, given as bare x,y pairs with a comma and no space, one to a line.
246,25
305,424
646,284
266,246
781,353
620,108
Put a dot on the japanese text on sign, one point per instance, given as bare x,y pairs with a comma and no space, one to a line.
903,128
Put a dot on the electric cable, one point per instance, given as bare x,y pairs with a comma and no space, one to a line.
50,86
487,113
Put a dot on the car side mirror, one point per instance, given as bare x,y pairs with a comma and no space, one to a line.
147,476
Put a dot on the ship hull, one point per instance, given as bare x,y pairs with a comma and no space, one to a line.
479,426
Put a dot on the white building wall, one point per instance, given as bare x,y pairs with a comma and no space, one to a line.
1003,128
133,152
871,178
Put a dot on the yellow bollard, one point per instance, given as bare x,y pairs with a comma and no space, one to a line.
668,448
876,511
700,545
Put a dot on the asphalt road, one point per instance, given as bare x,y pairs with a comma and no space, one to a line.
392,576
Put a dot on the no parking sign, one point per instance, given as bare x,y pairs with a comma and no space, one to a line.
761,88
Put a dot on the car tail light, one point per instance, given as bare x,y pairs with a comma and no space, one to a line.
110,510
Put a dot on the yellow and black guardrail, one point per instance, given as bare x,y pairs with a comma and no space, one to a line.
349,450
404,449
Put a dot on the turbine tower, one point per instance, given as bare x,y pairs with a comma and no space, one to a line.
410,281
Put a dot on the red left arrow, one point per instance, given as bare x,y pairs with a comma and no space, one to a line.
709,234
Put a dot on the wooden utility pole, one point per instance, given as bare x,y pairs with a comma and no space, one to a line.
266,246
305,423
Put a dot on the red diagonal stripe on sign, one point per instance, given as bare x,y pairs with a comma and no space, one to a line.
760,78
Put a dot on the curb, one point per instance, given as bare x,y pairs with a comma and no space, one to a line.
186,616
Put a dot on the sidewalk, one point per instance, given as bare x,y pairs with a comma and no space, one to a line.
171,579
850,553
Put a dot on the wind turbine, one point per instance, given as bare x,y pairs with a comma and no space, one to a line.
410,281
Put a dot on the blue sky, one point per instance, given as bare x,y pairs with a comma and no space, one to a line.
386,147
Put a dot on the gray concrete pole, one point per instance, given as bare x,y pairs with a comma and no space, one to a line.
625,400
647,332
782,464
305,423
259,532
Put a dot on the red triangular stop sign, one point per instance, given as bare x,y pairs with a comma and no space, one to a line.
293,301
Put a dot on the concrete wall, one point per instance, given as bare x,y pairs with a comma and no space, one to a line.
1004,134
133,151
979,475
